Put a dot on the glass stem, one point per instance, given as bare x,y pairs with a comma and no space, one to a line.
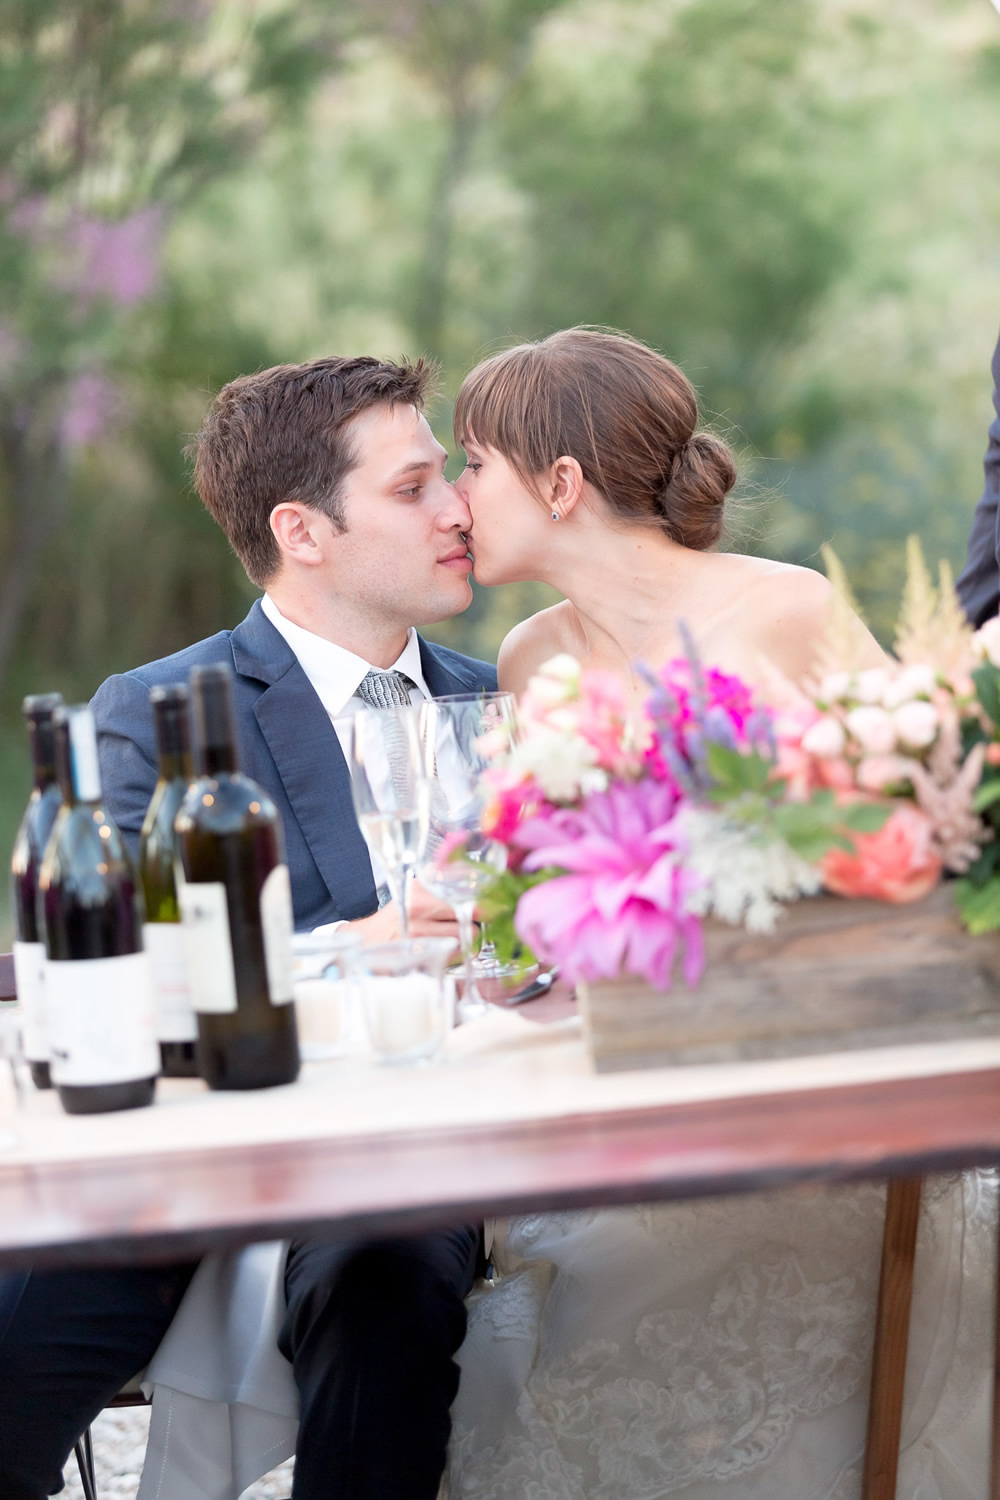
465,915
398,881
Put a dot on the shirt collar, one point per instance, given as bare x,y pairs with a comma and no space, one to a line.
334,672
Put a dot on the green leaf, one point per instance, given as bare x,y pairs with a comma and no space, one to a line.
988,793
864,817
987,680
979,905
734,772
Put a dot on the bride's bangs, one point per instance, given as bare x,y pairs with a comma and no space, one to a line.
502,405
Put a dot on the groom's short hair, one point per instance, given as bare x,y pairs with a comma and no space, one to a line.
284,434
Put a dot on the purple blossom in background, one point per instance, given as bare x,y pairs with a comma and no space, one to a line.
95,258
118,259
88,410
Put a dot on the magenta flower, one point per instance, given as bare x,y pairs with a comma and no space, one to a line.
622,905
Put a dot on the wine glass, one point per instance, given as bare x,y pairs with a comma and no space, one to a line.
499,720
461,859
386,755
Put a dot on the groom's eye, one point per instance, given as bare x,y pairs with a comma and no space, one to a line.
471,467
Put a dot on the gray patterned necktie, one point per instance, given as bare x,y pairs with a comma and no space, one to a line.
384,689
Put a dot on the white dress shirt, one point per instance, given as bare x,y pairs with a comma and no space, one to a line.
336,673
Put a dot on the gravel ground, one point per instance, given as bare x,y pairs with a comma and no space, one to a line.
119,1445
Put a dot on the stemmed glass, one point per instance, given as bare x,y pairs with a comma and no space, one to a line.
390,787
461,859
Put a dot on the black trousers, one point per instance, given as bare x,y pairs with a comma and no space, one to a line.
370,1330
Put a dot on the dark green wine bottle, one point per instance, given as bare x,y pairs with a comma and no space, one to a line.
29,846
163,935
98,985
235,898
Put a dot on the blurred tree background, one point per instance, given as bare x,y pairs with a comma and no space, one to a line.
798,201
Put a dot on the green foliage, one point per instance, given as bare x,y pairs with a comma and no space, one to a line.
987,680
498,906
978,905
745,785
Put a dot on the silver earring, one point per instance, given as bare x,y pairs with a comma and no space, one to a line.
555,515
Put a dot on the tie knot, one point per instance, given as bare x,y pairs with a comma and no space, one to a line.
385,689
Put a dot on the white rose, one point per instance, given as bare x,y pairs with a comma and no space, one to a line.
870,685
986,641
824,738
834,686
559,762
917,681
916,723
873,729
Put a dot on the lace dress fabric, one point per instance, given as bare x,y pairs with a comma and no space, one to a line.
722,1348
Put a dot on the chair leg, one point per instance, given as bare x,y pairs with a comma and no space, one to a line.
892,1331
84,1450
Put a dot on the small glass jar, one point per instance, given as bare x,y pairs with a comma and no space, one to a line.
408,1007
327,1000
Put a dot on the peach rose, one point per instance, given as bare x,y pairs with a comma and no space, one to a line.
897,864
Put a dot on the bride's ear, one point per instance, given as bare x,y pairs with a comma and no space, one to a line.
567,481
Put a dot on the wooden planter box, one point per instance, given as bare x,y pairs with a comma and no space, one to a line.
835,974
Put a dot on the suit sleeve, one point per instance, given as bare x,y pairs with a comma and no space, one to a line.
979,584
126,743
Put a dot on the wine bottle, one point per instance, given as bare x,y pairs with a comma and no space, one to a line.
236,904
29,846
99,991
163,935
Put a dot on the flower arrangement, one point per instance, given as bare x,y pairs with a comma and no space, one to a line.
625,830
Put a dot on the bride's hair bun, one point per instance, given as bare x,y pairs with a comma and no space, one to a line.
693,498
627,415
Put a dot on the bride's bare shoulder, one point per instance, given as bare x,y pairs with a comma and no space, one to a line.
533,642
786,608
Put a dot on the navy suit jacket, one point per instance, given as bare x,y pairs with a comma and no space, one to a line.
287,744
979,585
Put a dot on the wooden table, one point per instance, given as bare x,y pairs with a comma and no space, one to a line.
177,1205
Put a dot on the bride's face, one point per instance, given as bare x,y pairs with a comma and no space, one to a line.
508,533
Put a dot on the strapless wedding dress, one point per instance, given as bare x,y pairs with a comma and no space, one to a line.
722,1348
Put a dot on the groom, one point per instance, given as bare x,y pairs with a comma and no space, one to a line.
330,487
979,584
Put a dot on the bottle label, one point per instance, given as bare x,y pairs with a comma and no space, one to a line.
205,912
276,923
29,980
164,942
102,1027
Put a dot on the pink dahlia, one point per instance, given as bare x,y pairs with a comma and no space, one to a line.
623,902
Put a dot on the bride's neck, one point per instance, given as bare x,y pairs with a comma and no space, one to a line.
627,589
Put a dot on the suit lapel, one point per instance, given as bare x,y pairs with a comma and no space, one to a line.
309,761
442,679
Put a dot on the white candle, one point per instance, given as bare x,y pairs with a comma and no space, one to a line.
405,1014
320,1005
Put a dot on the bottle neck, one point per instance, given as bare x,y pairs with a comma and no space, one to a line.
43,752
173,735
175,766
218,760
76,757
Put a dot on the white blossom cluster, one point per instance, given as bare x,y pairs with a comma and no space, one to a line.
744,877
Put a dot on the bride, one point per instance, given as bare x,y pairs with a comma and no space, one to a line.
719,1348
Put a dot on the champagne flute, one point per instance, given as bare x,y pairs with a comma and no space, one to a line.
462,859
391,793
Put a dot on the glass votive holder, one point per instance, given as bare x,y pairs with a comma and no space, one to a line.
406,1002
327,1002
11,1080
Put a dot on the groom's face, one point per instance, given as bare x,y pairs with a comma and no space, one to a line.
403,553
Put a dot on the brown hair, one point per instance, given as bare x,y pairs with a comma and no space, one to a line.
625,413
283,434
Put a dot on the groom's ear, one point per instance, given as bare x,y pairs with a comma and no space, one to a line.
566,478
301,532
